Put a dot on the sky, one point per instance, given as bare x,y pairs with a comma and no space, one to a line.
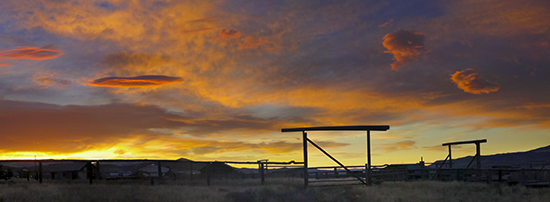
218,80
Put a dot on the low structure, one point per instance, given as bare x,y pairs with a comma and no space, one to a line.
67,171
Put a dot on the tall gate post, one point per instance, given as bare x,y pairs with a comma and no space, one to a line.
306,173
369,165
450,158
40,172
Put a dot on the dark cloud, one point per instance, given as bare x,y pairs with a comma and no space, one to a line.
405,46
138,81
471,82
27,126
227,34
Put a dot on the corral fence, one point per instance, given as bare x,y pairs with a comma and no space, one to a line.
329,176
154,171
259,172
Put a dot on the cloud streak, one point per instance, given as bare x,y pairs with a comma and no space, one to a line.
471,82
29,53
398,146
405,46
227,34
138,81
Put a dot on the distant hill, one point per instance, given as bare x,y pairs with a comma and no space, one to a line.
536,158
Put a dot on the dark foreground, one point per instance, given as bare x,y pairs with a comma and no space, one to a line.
274,191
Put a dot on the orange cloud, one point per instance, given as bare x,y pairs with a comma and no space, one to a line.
398,146
471,82
251,42
30,53
138,81
46,82
386,24
196,31
405,46
227,34
205,19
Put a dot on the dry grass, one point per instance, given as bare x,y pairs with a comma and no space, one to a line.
275,190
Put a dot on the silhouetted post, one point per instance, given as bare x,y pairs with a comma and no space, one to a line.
261,171
98,170
190,171
478,155
369,165
208,173
90,171
306,174
159,168
450,158
40,172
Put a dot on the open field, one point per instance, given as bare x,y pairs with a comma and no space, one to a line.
283,190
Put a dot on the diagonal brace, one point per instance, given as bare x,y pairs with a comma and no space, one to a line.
338,162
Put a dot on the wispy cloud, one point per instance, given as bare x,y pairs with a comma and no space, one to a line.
138,81
471,82
405,46
227,34
29,53
398,146
45,82
251,42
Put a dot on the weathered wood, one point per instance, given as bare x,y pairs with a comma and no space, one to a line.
339,128
261,171
89,169
465,142
368,171
40,172
334,159
450,158
306,173
159,169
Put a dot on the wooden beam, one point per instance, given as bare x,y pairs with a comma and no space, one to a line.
339,128
465,142
306,172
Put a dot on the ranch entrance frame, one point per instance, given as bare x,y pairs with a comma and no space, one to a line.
305,139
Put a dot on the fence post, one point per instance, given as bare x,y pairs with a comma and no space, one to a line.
40,172
208,172
190,171
261,171
368,170
98,170
90,171
159,169
306,172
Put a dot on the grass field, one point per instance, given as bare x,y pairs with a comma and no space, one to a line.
273,191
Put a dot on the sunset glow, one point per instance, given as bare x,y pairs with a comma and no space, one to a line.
217,80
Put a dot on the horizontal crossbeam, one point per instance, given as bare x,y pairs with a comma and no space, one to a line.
339,128
465,142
